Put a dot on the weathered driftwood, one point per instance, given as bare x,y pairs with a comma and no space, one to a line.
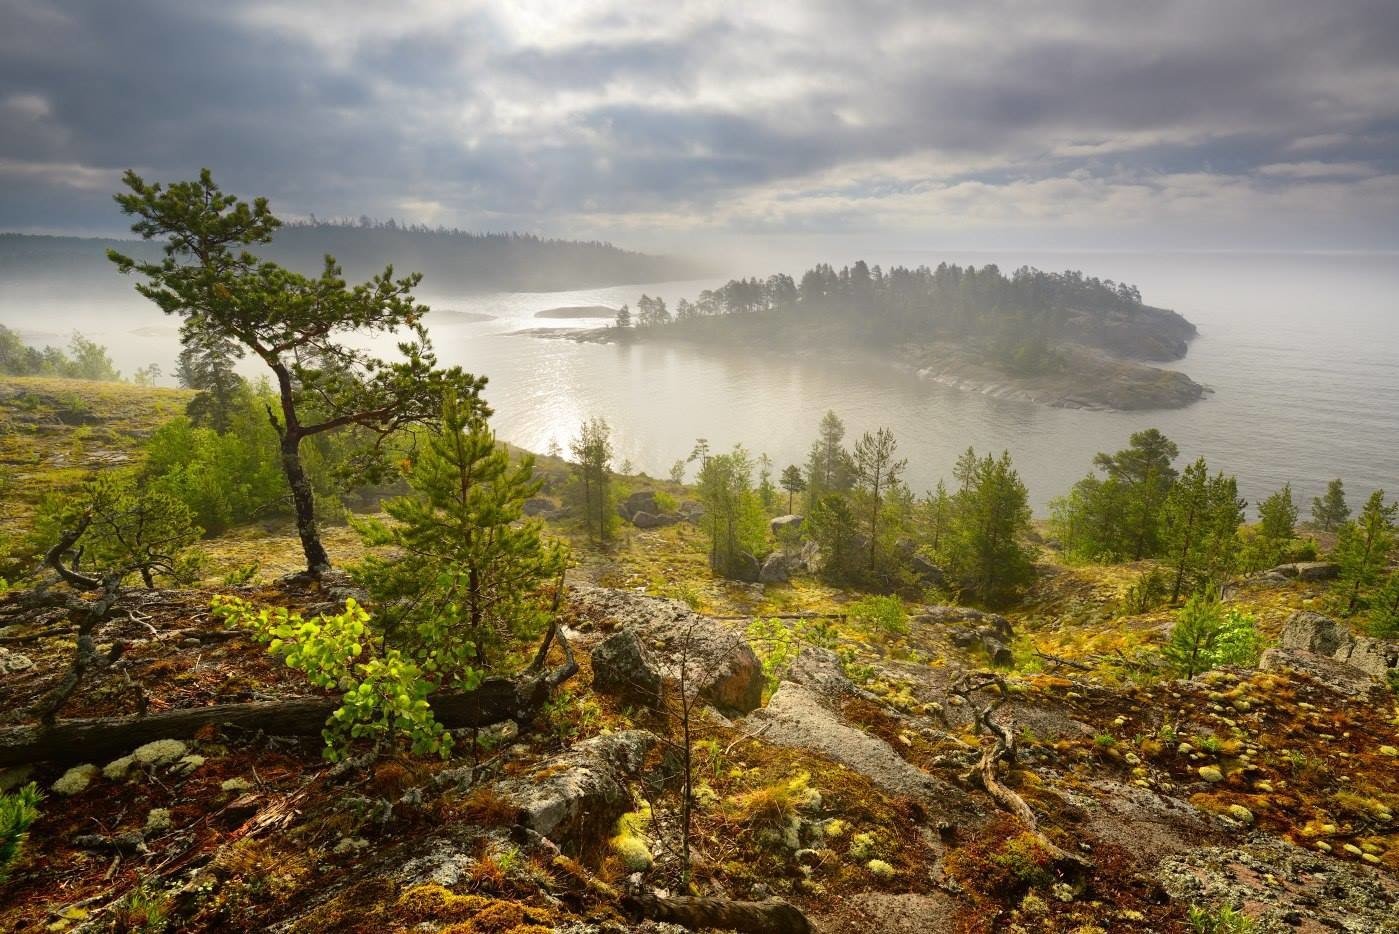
766,917
87,740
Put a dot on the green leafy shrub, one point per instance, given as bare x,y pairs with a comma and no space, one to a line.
18,810
385,693
777,644
1207,635
881,616
1146,593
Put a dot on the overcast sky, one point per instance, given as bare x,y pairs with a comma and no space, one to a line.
1202,124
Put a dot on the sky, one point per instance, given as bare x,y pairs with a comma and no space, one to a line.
1073,124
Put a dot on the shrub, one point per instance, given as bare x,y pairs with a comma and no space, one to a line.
882,616
1146,593
1206,635
1224,920
385,694
17,811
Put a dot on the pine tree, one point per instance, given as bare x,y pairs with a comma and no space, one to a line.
1277,526
991,517
206,364
832,526
1384,608
1118,516
1202,517
1329,512
461,583
592,463
767,492
829,469
733,515
876,472
624,317
1363,546
793,482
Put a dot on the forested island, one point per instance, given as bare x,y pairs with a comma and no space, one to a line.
1062,339
452,260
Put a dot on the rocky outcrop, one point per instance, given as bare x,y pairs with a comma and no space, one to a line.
539,506
928,573
1311,632
966,628
576,798
781,566
640,501
1338,676
651,520
622,666
788,525
719,664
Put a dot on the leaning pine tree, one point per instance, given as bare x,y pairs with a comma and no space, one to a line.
294,324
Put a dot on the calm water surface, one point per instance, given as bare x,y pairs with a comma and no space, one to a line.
1302,353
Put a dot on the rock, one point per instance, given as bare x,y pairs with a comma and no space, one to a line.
651,520
795,716
744,567
622,666
539,506
640,501
1312,632
10,662
776,569
820,670
576,798
947,615
1338,676
790,524
722,666
1307,570
75,780
691,512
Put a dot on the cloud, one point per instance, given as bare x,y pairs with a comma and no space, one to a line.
666,122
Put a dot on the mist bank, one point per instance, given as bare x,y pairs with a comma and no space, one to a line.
450,260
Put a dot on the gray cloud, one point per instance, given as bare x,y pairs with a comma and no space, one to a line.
1085,121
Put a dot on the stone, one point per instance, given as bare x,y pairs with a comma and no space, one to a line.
576,798
1307,570
1320,635
820,670
539,506
776,569
640,501
744,567
651,520
622,666
790,524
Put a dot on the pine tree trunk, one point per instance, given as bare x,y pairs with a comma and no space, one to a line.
304,500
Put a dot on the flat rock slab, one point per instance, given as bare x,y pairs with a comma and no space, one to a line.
795,717
889,913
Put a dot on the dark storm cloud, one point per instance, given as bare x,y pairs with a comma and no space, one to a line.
615,117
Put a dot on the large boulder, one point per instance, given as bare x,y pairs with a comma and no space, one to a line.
1311,632
1308,570
819,670
776,569
928,573
744,567
719,664
651,520
1340,677
640,501
785,525
622,666
576,798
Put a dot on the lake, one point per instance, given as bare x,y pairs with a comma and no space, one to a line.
1301,352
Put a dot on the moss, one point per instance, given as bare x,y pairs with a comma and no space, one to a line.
160,752
75,780
629,844
880,869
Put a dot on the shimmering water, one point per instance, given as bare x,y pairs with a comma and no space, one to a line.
1302,352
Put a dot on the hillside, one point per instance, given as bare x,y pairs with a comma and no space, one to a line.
449,259
840,769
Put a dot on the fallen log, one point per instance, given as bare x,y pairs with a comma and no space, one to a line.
725,914
86,740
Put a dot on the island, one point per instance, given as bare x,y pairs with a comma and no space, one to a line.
577,311
1060,339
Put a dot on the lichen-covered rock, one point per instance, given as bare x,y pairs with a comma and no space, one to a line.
11,662
1322,635
785,524
622,666
640,501
576,798
820,670
1340,677
653,520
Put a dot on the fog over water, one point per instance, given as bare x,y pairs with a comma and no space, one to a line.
1298,348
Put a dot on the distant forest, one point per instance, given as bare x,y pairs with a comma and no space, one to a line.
450,260
1018,317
